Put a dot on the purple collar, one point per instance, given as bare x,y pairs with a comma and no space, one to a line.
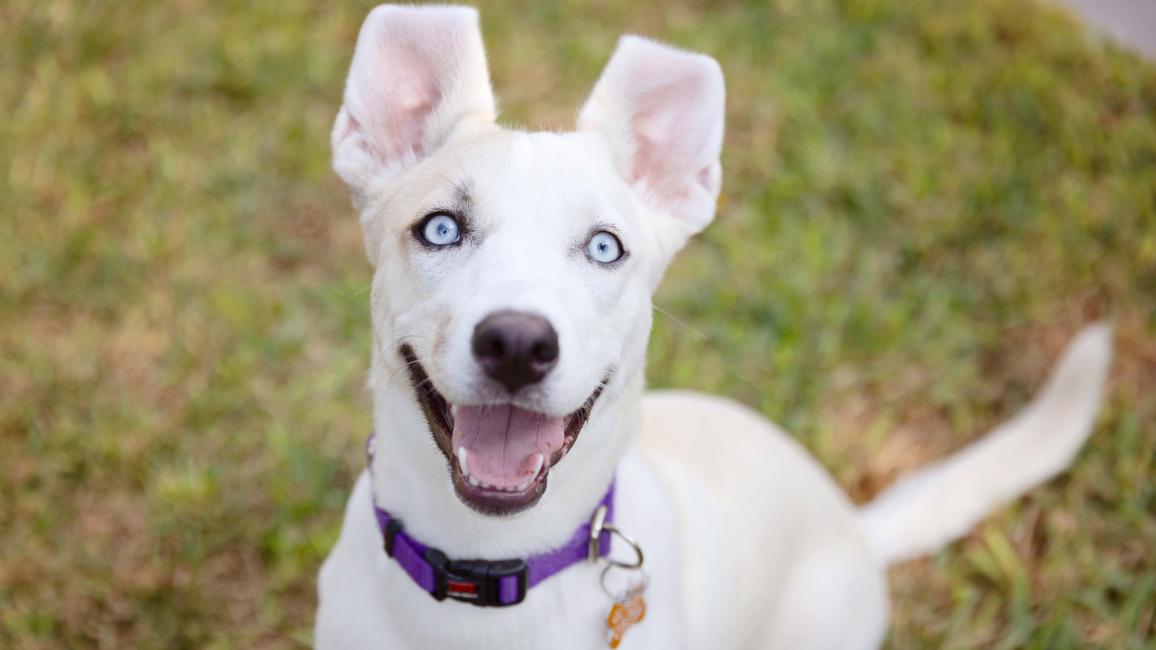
487,583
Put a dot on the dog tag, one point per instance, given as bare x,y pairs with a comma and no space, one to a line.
628,609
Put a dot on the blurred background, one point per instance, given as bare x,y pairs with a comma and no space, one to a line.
922,201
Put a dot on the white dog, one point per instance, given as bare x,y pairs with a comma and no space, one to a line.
514,444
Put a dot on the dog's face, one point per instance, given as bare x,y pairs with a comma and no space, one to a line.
513,270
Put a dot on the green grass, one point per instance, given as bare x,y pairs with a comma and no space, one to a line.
922,201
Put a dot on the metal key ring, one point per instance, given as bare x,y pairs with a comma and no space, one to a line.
644,581
598,524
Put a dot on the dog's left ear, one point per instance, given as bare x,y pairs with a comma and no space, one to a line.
661,110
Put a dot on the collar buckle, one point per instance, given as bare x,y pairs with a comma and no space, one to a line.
484,583
390,534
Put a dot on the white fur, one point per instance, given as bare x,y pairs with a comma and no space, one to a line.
941,502
749,542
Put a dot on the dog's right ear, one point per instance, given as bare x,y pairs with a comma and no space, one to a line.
418,73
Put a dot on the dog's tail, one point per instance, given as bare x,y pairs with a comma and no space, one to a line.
940,503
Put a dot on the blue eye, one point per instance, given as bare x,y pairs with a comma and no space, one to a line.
604,248
441,230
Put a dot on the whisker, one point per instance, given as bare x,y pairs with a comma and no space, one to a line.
361,291
681,323
386,349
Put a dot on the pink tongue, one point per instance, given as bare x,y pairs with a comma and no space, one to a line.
504,441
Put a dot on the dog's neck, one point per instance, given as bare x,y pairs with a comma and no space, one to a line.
411,481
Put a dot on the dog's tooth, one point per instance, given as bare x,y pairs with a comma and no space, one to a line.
472,480
539,461
464,460
523,486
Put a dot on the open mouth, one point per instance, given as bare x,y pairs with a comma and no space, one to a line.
499,454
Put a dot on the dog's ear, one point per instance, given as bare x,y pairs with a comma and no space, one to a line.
417,75
661,110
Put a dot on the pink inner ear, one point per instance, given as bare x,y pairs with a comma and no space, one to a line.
671,130
653,167
415,103
408,97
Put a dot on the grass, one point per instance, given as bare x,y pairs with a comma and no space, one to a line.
923,200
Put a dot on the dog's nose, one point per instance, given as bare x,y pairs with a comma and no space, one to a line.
515,349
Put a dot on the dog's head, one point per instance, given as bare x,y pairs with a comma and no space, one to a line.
514,270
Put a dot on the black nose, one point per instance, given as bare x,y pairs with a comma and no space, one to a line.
515,349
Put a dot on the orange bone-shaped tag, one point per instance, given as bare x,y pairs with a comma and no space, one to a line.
623,615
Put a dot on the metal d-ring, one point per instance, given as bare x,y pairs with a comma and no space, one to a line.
598,524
